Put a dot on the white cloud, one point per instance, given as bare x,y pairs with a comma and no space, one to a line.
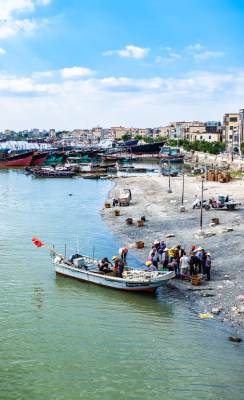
2,51
76,72
174,55
208,54
168,48
129,51
194,47
67,104
10,25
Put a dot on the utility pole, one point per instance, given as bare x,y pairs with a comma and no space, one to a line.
169,189
182,199
201,207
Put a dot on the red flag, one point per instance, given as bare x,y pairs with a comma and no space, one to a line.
37,242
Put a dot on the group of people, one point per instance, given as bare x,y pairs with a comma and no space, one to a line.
107,267
176,259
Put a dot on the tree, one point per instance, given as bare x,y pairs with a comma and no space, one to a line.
138,137
126,137
242,147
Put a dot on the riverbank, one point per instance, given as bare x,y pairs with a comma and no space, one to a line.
224,241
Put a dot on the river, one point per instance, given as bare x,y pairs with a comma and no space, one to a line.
62,339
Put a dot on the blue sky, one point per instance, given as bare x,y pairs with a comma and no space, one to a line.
79,63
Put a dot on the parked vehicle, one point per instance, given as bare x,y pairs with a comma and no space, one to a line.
197,204
124,197
224,201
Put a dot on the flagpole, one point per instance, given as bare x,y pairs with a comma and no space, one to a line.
59,255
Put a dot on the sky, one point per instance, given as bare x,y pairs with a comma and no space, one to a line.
69,64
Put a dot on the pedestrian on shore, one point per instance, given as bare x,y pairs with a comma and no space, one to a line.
172,266
208,265
184,264
165,258
161,249
115,202
194,263
156,244
203,261
179,254
199,255
172,254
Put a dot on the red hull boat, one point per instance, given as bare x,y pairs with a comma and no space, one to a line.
39,158
22,159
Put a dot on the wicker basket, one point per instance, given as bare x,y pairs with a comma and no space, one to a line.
116,213
107,205
140,223
140,244
129,221
196,279
215,221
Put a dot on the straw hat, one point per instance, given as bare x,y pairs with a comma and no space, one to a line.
155,242
199,249
208,254
148,262
114,258
166,249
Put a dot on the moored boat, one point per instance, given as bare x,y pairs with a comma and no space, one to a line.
39,158
22,158
86,269
149,148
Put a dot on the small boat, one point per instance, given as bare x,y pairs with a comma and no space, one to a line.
51,172
86,269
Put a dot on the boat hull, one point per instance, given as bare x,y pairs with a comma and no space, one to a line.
113,282
23,159
150,148
39,159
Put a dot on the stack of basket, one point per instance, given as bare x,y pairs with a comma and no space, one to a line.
218,176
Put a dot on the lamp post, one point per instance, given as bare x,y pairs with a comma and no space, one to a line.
169,189
183,184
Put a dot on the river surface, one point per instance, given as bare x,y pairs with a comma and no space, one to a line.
62,339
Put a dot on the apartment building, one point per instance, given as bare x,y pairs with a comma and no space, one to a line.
231,129
241,125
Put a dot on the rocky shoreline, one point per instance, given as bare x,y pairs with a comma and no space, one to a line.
150,198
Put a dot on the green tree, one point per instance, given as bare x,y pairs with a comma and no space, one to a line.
242,147
126,137
138,137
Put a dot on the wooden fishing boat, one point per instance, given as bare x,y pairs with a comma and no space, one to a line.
51,172
39,157
86,269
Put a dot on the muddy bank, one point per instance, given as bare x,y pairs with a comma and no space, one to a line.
161,210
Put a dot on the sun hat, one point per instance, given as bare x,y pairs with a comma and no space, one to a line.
208,254
199,249
120,251
114,258
155,242
148,262
166,249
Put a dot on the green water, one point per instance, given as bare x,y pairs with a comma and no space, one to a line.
63,339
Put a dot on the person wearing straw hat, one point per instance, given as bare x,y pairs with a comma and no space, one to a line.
165,258
150,266
208,265
123,252
118,265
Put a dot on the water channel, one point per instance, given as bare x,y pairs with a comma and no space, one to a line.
62,339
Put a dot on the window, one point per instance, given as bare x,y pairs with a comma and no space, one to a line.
231,128
209,137
233,119
230,136
200,137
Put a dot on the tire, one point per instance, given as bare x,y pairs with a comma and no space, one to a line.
193,207
207,207
231,206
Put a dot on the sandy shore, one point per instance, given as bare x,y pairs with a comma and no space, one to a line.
161,210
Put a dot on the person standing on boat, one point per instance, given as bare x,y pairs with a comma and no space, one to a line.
123,252
118,265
